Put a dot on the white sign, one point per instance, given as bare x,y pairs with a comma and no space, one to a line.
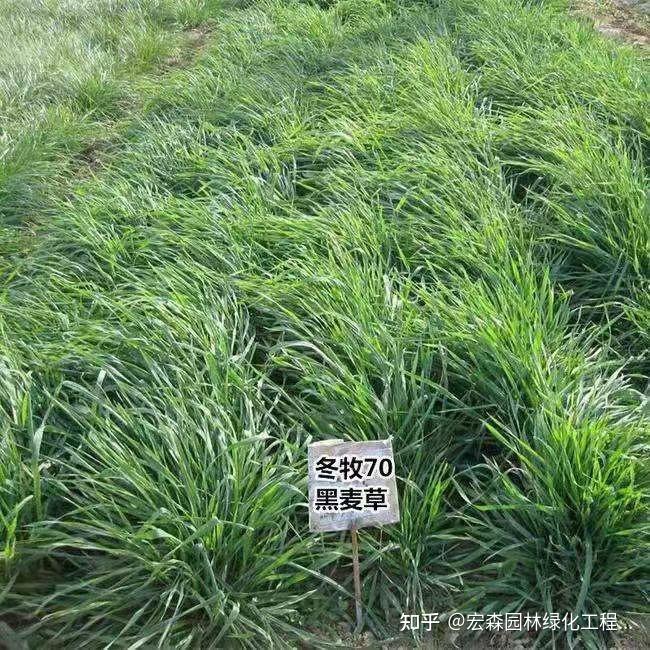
351,485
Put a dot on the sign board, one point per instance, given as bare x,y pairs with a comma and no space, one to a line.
351,485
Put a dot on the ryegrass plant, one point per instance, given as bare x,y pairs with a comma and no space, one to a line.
356,219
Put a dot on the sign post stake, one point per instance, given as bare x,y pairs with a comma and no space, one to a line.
351,485
356,572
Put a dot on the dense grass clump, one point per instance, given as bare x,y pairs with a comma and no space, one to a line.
230,229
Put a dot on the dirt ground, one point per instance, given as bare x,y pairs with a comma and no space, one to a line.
627,20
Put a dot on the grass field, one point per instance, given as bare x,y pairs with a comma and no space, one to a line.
230,228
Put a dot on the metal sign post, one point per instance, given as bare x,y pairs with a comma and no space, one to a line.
356,574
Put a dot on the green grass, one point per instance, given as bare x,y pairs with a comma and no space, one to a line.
357,219
70,76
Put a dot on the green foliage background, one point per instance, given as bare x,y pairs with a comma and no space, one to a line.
230,228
